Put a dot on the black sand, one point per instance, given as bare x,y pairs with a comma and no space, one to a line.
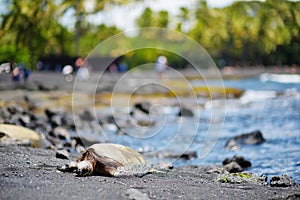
28,173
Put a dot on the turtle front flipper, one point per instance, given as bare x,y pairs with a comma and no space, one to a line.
71,167
83,168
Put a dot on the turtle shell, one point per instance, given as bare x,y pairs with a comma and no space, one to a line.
114,160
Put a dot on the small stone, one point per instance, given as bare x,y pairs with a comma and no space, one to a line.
62,154
143,106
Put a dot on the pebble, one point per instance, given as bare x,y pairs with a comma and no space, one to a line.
62,154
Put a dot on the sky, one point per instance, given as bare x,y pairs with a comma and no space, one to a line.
124,16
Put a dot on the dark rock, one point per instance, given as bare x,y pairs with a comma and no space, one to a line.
55,141
252,138
54,116
61,133
238,159
49,113
189,155
4,113
143,106
282,181
56,120
59,117
15,109
233,167
295,196
185,112
109,119
62,154
68,121
87,116
24,120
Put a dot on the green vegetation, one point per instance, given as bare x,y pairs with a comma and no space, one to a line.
242,177
244,33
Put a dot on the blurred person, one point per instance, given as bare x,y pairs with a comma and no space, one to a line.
161,66
122,67
26,74
113,68
67,71
16,76
83,72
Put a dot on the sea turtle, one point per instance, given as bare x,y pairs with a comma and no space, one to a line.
109,160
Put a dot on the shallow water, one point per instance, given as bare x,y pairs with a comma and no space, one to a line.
271,106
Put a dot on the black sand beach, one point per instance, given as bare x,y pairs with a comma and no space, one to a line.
28,173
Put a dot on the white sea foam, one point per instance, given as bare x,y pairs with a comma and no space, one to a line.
280,78
254,96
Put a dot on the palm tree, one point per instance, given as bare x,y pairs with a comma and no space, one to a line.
79,6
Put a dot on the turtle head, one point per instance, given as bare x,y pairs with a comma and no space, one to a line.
84,168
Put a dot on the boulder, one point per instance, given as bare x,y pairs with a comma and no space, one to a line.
12,134
252,138
239,160
185,112
282,181
233,167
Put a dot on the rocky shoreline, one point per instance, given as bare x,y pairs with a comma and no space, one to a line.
30,173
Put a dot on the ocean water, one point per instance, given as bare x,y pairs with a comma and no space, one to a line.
276,116
271,104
